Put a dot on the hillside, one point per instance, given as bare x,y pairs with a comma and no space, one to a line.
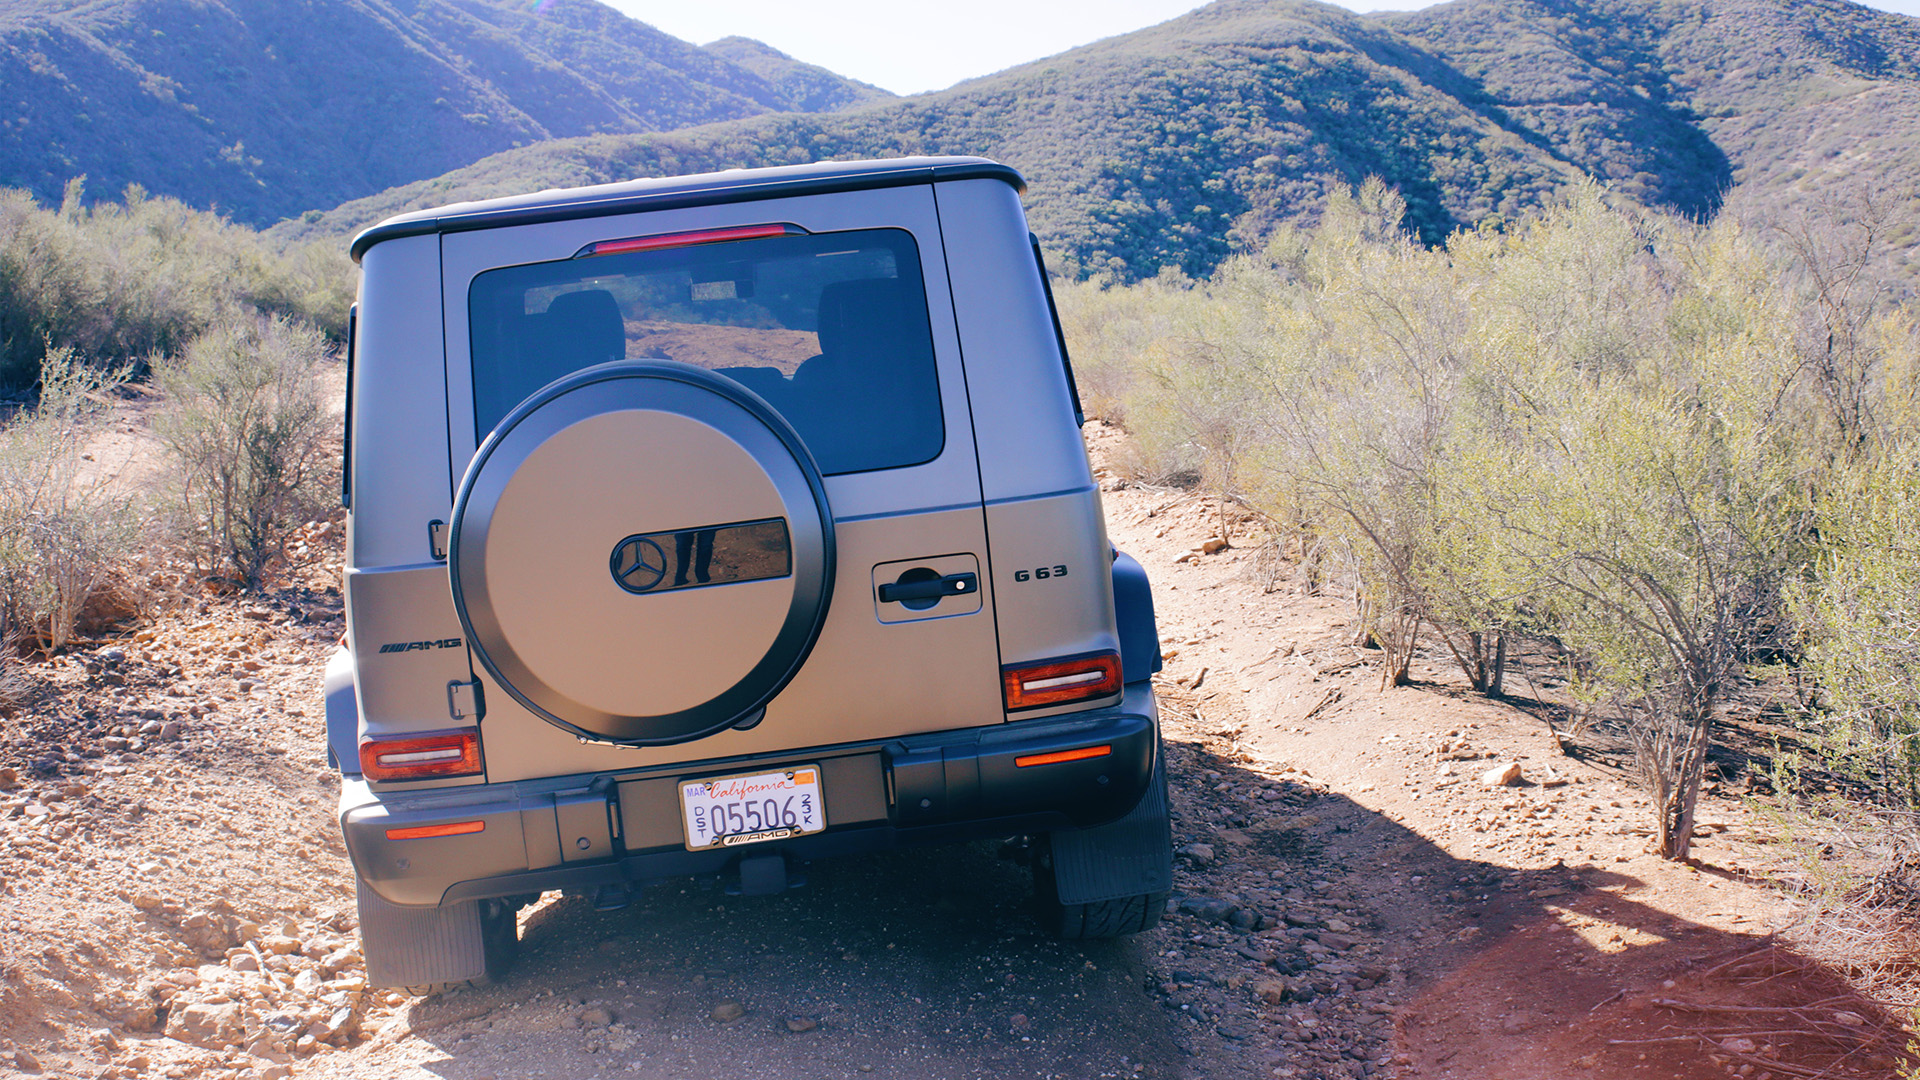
267,108
1177,144
1168,146
1798,102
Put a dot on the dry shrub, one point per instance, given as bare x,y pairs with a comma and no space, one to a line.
61,536
245,421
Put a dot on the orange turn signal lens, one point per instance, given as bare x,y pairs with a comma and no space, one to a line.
1061,681
426,755
1059,756
686,239
421,832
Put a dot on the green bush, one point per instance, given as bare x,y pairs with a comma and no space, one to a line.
122,282
1603,427
245,421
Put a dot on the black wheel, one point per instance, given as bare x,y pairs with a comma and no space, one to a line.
434,950
1100,919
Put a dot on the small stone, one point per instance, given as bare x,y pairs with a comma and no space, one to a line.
1198,854
214,1026
798,1024
1737,1046
1019,1021
244,961
9,778
728,1011
1507,775
1213,546
1271,991
1851,1019
281,944
1338,926
25,1062
596,1016
170,731
276,1072
148,902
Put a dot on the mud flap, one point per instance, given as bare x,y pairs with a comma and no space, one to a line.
420,946
1130,857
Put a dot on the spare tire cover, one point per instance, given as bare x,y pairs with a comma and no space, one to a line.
566,572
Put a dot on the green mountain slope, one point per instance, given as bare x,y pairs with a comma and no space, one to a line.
1163,147
1799,102
266,108
1175,145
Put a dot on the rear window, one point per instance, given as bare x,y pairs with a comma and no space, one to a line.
831,329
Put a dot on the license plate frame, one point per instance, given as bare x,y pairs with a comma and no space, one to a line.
797,794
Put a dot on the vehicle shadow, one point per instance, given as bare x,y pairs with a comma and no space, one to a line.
1489,972
919,963
927,963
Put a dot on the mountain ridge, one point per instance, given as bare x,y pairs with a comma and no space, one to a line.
254,106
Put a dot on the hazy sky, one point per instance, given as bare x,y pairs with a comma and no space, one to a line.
908,46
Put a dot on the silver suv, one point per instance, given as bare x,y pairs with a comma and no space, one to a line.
714,524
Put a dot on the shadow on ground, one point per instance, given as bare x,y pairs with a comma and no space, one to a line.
927,964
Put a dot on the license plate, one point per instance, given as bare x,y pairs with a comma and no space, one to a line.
733,810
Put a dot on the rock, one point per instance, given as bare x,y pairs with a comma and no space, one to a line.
1198,854
244,961
25,1062
1244,919
1214,545
1851,1019
9,778
281,944
276,1072
1271,991
1507,775
727,1011
1208,909
341,1025
307,981
1737,1046
798,1024
168,732
344,957
148,902
214,1027
1338,926
596,1016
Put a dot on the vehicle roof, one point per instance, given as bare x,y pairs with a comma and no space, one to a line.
661,193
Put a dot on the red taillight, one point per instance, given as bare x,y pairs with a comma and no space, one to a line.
1059,682
422,756
686,239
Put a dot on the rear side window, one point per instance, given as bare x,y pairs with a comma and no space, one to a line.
831,329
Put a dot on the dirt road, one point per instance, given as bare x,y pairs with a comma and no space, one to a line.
1353,899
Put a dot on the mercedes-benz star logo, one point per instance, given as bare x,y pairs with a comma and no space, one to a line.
638,564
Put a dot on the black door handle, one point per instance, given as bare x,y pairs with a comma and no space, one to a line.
928,588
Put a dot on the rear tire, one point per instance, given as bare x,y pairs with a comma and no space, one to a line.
1101,919
434,950
1143,837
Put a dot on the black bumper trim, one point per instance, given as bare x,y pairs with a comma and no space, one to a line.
941,787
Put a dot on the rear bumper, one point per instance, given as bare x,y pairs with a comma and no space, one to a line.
623,827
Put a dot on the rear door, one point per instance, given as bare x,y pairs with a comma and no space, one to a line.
835,310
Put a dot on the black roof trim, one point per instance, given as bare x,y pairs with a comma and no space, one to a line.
753,185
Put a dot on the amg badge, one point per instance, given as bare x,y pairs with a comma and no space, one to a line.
415,646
